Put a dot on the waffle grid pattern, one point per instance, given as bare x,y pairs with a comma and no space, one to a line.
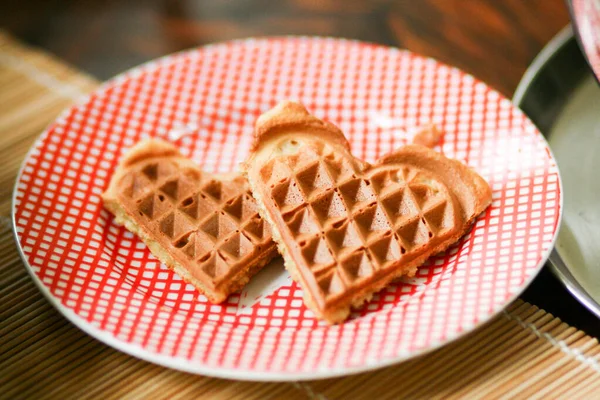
212,224
350,226
108,281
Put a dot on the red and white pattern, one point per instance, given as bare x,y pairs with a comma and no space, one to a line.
109,284
586,14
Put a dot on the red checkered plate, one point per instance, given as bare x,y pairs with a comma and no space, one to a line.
206,101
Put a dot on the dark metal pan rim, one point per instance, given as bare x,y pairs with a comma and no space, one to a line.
538,71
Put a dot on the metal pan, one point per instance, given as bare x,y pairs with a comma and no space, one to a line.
560,95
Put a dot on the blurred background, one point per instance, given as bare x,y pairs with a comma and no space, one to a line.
494,40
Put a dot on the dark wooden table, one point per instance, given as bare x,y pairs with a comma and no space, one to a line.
494,40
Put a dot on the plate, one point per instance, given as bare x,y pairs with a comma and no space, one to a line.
586,18
560,95
206,101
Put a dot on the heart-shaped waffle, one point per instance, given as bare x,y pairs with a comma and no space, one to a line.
204,227
346,228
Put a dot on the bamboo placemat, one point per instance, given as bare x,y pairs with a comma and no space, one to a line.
523,353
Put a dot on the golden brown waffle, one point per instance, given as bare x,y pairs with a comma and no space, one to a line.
346,228
204,227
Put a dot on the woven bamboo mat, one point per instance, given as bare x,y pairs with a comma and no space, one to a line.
523,353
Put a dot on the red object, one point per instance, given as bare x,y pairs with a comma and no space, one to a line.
586,14
106,281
